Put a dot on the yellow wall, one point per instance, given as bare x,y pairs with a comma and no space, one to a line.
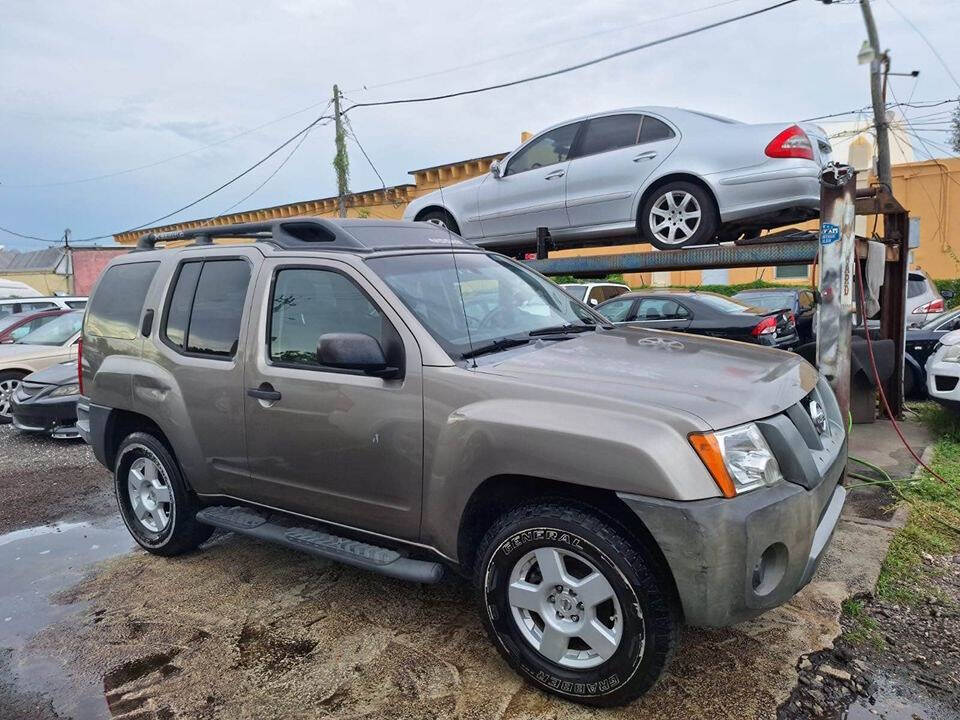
46,283
930,190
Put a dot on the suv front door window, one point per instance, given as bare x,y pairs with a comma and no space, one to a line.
358,439
530,194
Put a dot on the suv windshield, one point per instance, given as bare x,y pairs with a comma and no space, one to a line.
57,331
499,298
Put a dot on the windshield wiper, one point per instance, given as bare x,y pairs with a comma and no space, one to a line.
561,330
495,346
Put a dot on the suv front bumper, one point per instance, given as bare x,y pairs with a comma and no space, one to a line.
733,559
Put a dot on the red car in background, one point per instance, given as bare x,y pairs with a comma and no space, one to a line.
13,327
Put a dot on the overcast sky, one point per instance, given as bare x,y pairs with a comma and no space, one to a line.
88,89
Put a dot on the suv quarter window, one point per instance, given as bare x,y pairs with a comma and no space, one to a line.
117,302
205,307
309,301
550,148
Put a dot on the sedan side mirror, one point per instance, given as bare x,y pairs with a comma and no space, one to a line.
354,351
495,169
592,301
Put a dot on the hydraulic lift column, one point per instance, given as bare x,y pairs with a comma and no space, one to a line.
837,249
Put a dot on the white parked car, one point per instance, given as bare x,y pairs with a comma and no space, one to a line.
52,343
595,293
678,177
14,305
943,371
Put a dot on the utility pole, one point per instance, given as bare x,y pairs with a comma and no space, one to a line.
341,162
68,251
877,96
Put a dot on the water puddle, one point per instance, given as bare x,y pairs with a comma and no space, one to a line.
36,563
899,701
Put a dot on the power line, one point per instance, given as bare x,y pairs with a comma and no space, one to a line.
171,158
927,43
364,152
890,106
578,66
528,50
229,182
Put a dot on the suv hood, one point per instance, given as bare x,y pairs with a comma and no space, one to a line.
722,382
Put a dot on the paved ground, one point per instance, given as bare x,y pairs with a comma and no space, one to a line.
245,630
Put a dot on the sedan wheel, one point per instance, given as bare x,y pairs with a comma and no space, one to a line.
9,382
678,214
675,217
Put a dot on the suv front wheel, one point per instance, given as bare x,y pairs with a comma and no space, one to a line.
573,604
157,506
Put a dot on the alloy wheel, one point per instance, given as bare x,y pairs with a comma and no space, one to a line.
565,608
675,217
7,389
438,221
151,498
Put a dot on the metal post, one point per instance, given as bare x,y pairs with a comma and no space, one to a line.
837,248
543,243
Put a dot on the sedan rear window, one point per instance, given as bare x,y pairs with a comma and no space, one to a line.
723,304
916,285
770,301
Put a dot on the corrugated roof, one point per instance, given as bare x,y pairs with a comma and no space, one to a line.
32,261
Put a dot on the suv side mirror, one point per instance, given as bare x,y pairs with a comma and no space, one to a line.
354,351
495,169
947,294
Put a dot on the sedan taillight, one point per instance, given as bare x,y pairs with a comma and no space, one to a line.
791,143
934,306
767,326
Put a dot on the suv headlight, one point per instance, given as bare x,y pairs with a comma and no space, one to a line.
951,354
738,459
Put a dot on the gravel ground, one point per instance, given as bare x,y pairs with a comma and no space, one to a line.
42,480
892,661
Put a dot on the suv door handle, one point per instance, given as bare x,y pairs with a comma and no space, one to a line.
264,392
554,174
648,155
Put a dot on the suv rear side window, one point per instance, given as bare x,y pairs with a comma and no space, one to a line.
609,133
307,303
206,306
118,300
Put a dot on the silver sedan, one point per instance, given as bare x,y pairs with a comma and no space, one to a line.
676,177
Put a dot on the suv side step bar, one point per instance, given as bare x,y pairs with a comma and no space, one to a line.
246,521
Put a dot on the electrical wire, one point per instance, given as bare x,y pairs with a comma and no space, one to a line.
571,68
927,42
917,105
538,48
104,176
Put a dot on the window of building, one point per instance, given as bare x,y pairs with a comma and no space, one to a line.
118,300
792,272
610,133
548,149
308,303
206,307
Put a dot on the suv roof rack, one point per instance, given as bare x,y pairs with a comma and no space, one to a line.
297,233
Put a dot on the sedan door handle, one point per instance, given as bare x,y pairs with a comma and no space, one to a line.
264,392
554,174
648,155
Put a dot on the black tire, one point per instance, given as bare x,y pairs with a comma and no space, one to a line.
650,618
12,377
181,533
442,218
704,232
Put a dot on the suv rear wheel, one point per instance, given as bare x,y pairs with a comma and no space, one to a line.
573,604
157,506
